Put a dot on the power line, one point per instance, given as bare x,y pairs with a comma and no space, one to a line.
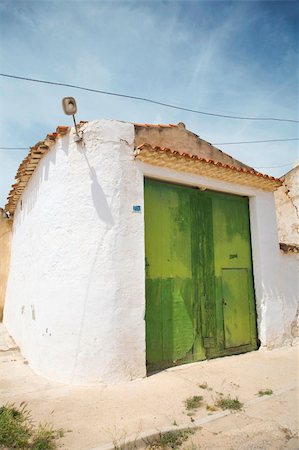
215,143
14,148
274,167
256,167
255,142
132,97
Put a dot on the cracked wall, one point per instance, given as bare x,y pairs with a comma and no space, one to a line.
287,208
287,215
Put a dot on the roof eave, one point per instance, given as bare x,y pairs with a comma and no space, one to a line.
184,162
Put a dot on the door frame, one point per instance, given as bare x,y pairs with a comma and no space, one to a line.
217,350
262,220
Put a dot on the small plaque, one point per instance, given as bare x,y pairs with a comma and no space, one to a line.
136,208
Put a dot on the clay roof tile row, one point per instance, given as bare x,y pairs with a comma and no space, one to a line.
152,157
155,125
29,164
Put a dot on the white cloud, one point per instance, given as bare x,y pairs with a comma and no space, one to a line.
205,55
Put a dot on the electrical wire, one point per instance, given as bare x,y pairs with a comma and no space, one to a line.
14,148
274,167
256,167
214,143
255,142
132,97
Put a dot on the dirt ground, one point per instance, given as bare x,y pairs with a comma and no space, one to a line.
271,424
105,416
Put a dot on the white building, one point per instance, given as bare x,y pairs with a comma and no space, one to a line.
76,299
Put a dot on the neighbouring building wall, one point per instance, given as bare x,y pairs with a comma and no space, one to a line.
287,208
75,298
5,241
287,213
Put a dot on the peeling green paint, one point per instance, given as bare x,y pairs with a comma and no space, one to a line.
199,290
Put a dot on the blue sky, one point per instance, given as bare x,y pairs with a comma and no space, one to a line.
218,56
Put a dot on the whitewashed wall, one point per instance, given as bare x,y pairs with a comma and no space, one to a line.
289,300
75,299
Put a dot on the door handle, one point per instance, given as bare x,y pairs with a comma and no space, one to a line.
224,302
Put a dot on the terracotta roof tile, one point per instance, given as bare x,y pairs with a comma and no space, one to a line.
180,161
62,130
155,125
146,153
29,164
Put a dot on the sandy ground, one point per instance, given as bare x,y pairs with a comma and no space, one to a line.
97,415
271,424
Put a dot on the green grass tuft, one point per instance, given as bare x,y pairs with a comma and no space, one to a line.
171,439
17,430
229,403
15,427
193,402
45,438
263,392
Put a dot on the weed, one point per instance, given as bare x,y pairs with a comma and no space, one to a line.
174,423
211,408
203,385
171,439
17,430
229,403
45,437
193,402
121,441
263,392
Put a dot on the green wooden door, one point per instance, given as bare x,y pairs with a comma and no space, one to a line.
234,293
172,309
194,285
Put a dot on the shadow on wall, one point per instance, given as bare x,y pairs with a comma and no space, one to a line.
98,197
103,211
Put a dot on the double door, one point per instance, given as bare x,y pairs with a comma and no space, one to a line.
199,284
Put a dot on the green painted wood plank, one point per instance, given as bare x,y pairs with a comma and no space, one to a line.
198,251
236,310
169,211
